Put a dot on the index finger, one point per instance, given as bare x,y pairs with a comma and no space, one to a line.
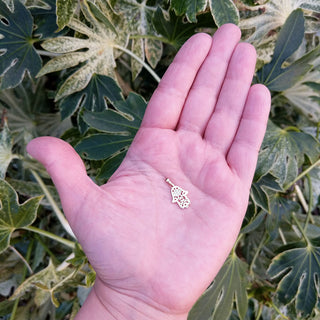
165,106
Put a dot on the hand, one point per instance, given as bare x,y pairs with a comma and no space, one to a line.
202,129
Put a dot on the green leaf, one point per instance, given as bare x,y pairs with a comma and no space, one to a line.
18,55
101,146
111,165
289,40
224,11
6,143
93,97
45,20
262,191
65,12
282,153
188,7
79,258
32,189
296,71
299,269
97,52
280,211
174,29
12,214
228,287
120,125
125,120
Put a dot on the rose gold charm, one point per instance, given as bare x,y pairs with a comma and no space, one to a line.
179,196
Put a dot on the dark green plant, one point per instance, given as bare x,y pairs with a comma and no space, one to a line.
84,71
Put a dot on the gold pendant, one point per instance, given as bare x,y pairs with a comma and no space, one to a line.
179,196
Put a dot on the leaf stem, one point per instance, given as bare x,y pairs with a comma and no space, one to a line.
22,259
145,65
52,236
23,276
53,204
303,233
233,251
48,54
279,312
257,252
291,128
301,175
309,212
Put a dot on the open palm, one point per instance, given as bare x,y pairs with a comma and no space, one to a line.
202,129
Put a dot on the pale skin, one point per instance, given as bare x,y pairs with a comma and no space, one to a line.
202,129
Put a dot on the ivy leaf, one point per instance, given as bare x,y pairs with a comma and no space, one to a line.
18,55
275,14
96,52
93,97
299,269
289,40
282,153
14,215
29,188
46,282
6,143
228,287
120,126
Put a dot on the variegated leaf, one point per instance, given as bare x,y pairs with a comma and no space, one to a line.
138,20
275,14
302,96
97,53
6,155
65,11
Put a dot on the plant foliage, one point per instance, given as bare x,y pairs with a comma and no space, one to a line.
84,71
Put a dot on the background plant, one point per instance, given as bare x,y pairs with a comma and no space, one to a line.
84,71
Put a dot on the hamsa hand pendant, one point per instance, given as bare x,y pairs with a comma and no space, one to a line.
179,196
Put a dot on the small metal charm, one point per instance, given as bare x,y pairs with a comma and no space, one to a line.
179,195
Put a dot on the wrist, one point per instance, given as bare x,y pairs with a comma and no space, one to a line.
112,305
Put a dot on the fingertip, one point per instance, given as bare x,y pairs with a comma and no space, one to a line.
198,44
66,169
59,158
51,149
260,96
262,91
230,28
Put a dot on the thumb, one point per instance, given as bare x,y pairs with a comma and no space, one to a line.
67,171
